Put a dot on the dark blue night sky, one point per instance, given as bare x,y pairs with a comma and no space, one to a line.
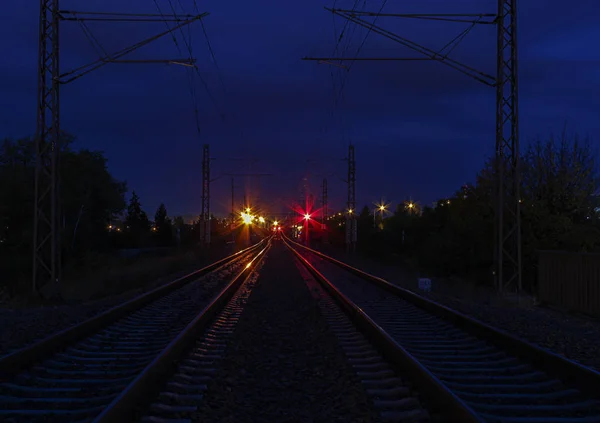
420,128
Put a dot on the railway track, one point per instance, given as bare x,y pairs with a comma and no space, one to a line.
392,397
105,368
464,368
180,397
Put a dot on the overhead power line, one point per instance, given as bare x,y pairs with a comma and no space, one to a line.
47,245
507,234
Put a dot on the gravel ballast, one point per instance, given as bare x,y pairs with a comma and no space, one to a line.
21,326
283,363
574,337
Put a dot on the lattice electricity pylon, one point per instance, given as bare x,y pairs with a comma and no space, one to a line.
351,222
507,243
304,191
46,224
205,213
508,207
47,244
324,207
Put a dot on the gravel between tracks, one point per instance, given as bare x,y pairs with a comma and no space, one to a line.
283,363
572,337
577,338
23,326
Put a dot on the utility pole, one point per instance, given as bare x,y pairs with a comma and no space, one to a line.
47,225
257,175
232,213
351,229
324,211
205,224
304,195
304,201
507,242
508,179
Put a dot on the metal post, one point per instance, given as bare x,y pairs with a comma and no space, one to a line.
310,201
507,233
508,215
46,224
304,195
232,215
351,234
306,232
205,214
324,211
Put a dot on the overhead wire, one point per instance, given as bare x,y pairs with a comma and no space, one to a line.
234,117
196,68
212,55
189,75
336,49
354,27
211,49
101,51
215,63
346,24
188,46
338,40
337,72
337,97
187,41
361,46
339,94
452,44
92,39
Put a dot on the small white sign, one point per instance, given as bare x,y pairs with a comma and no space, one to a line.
425,284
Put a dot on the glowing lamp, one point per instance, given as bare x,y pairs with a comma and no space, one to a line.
246,218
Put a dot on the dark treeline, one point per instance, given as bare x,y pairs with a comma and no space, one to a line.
455,235
452,237
96,217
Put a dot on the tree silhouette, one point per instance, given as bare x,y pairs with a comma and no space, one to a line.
163,227
136,221
160,217
455,236
364,224
93,200
89,196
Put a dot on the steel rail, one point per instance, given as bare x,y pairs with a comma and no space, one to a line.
16,361
147,384
429,385
570,372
